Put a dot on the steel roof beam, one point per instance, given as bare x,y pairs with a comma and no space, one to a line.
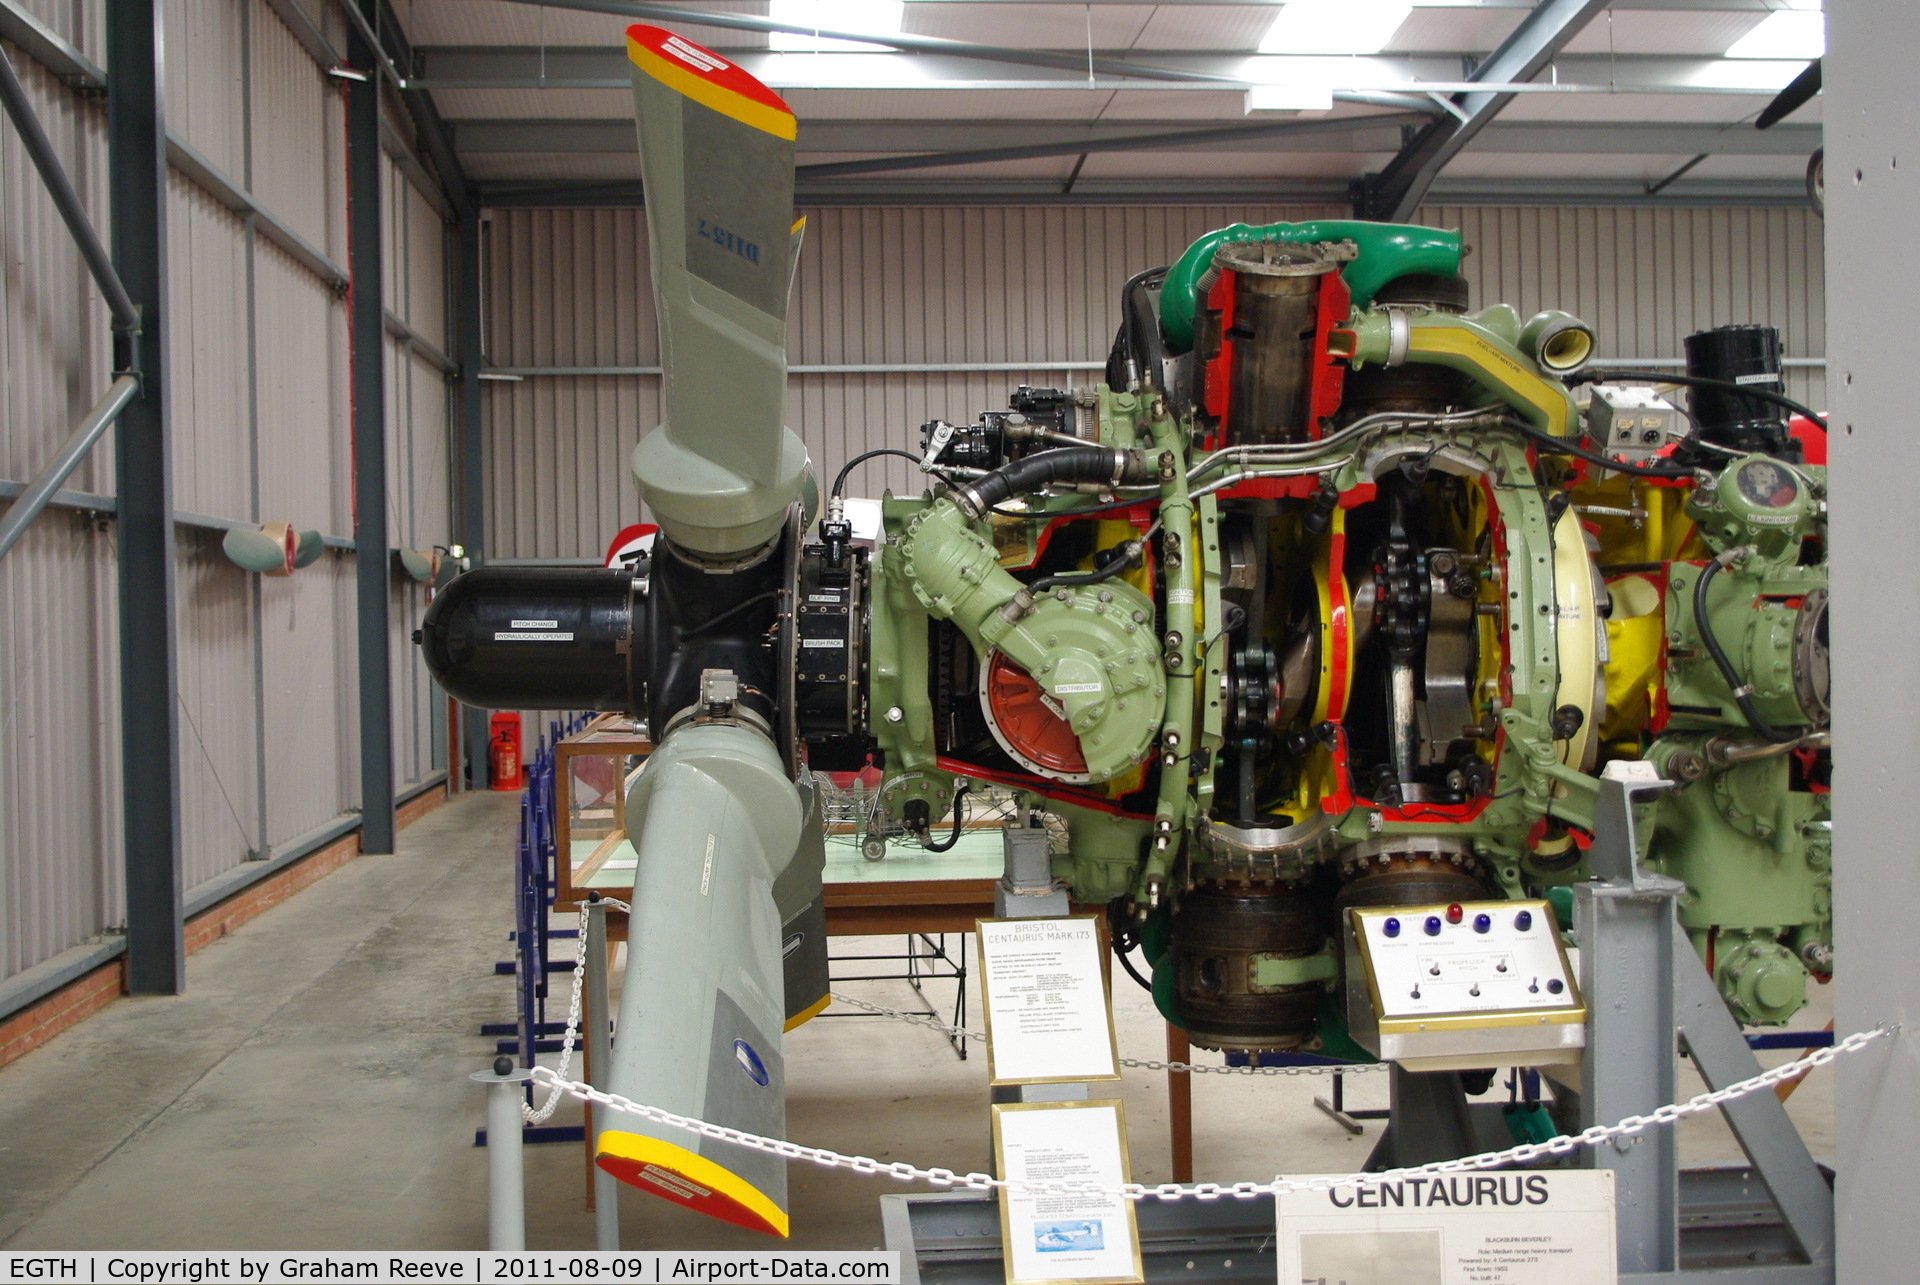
1398,190
948,142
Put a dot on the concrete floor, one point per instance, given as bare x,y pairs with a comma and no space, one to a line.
310,1090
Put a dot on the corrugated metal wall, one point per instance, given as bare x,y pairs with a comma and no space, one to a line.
259,400
1027,286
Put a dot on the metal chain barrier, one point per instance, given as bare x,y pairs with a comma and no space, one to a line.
901,1171
572,1037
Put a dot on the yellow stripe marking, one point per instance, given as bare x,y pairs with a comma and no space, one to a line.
694,1171
807,1014
769,120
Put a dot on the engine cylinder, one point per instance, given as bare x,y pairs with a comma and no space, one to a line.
1276,297
1226,936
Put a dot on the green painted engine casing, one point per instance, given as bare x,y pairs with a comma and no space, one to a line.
1091,647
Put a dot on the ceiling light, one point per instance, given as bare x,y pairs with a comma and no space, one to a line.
1334,27
1799,34
865,17
1289,98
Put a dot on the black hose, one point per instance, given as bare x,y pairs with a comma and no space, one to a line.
1742,692
1124,935
1148,350
1106,567
1031,473
1562,446
1593,376
1126,962
840,480
959,815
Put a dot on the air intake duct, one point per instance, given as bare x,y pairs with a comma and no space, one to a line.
536,638
1746,357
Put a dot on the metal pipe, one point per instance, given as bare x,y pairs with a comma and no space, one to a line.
606,1188
89,431
65,199
1725,750
506,1175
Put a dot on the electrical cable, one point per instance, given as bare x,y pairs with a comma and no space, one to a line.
1598,375
959,817
1126,962
1118,559
840,481
1124,935
1742,692
1562,446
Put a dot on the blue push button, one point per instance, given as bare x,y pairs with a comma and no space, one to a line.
1433,925
1391,927
1481,923
1555,985
1523,920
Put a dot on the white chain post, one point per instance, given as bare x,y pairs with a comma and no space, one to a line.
900,1171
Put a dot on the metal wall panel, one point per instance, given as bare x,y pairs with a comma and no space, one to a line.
902,286
59,775
219,765
308,685
208,378
297,161
207,79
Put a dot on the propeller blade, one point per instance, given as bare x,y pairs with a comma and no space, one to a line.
716,159
1792,98
714,822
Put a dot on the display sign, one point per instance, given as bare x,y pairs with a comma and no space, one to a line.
1048,1239
1554,1227
1044,986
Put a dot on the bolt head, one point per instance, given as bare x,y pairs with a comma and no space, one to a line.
895,714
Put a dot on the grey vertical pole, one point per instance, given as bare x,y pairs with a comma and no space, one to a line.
506,1171
1625,923
470,484
372,562
1872,119
606,1188
149,740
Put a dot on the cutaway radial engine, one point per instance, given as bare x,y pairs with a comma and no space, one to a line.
1334,593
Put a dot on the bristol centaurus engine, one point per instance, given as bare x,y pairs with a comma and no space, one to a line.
1339,591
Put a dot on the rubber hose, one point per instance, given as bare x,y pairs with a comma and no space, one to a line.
959,816
1149,351
1743,697
1061,464
1118,559
840,480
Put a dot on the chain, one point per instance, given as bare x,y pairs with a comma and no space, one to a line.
572,1038
1143,1064
901,1171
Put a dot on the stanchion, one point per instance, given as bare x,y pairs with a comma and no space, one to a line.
506,1184
593,945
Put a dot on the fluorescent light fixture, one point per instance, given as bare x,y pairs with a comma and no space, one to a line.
1289,98
865,17
1800,34
1334,26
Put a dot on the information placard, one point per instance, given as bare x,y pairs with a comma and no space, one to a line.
1052,1239
1048,1017
1553,1227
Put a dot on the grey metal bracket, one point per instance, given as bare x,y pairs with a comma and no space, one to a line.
1648,997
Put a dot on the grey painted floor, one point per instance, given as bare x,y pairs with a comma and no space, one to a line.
310,1090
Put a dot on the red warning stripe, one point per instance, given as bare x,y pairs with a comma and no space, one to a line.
709,80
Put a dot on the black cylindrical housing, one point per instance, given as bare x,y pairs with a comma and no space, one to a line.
536,638
1750,357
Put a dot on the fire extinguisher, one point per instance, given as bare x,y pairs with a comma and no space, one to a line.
504,742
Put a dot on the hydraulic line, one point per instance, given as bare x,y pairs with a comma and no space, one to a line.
840,479
959,817
1118,559
1562,446
1742,692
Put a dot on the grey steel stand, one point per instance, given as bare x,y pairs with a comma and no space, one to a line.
1028,890
1643,984
606,1188
506,1178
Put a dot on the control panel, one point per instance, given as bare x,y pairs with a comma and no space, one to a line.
1469,984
